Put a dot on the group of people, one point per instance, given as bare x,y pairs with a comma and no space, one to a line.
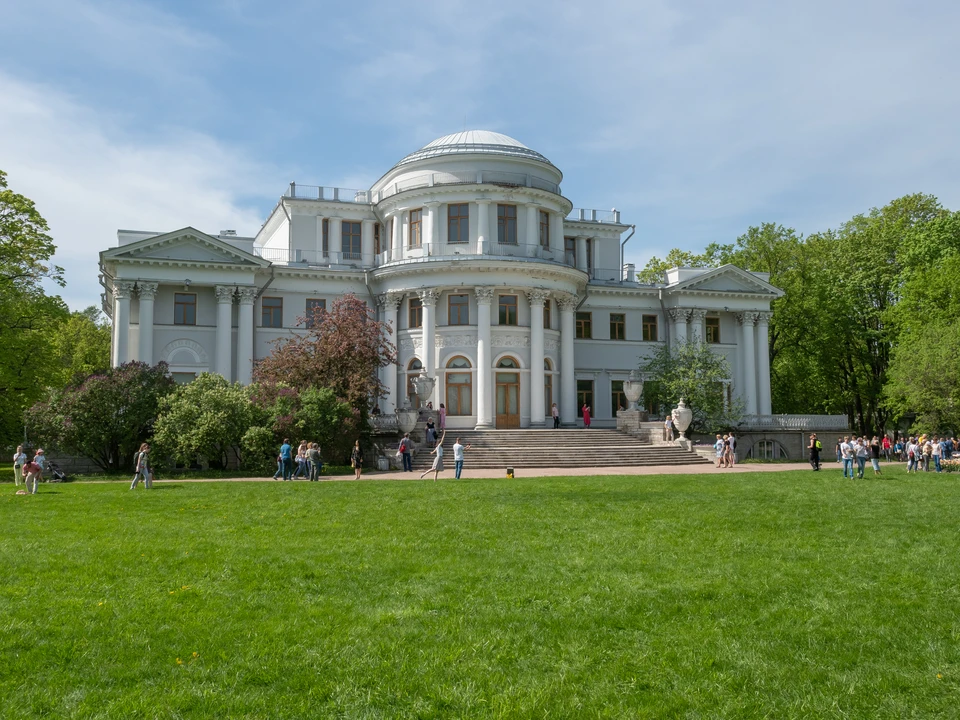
726,449
920,451
855,451
306,463
30,472
405,452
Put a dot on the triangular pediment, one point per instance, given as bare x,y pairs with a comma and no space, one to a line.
187,245
727,279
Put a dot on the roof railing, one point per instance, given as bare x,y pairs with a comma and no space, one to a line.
597,216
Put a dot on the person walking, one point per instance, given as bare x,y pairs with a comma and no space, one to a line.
846,455
912,453
886,446
437,466
814,447
718,447
727,452
19,460
32,473
586,416
733,449
937,454
875,449
406,445
555,411
286,460
839,452
301,461
314,461
142,468
458,449
861,451
356,460
927,454
668,429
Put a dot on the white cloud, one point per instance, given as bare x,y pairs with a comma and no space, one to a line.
89,177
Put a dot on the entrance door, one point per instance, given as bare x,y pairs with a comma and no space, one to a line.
508,400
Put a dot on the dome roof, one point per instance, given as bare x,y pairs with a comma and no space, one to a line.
474,142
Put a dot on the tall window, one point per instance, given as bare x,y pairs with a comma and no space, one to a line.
570,250
584,397
547,388
350,240
416,238
458,223
185,309
618,400
376,239
459,387
507,224
315,310
618,326
546,314
508,309
415,313
413,371
589,243
713,329
458,310
326,235
544,228
650,328
271,309
584,325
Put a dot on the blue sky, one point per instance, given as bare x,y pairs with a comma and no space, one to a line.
695,119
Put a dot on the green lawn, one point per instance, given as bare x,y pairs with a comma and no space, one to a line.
781,595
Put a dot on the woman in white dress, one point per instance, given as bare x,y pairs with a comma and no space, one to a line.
437,466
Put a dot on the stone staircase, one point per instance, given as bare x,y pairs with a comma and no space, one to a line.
536,448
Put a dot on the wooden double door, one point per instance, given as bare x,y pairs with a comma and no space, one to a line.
508,400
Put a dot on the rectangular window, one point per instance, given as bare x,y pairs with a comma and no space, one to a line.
618,326
415,313
183,378
185,309
713,329
570,251
416,237
584,396
315,310
618,401
507,224
458,223
376,239
650,328
271,312
546,314
350,240
458,312
326,235
508,309
584,325
544,229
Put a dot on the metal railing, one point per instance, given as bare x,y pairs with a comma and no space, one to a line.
283,256
320,192
463,251
386,423
795,422
598,216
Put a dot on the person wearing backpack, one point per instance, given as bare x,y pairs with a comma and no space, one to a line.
814,447
141,468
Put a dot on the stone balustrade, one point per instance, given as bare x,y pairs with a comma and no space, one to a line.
795,422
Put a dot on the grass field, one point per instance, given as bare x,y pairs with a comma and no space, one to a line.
781,595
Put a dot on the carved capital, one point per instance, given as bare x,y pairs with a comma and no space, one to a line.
537,297
764,317
123,289
390,300
147,290
697,315
225,293
428,297
246,295
747,318
484,295
679,314
567,303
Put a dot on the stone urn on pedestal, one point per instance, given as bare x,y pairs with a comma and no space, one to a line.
423,386
629,420
406,418
682,417
633,389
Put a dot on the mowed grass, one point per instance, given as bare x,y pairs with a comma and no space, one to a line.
782,595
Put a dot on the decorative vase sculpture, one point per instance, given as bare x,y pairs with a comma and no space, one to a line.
406,418
682,416
633,389
423,387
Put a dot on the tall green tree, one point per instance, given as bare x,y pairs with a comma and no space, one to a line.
81,342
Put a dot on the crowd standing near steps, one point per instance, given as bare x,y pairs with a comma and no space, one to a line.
437,466
19,460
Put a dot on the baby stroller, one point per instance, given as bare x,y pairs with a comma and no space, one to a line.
56,474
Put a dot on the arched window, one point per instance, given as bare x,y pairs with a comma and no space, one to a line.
413,371
459,387
508,362
767,450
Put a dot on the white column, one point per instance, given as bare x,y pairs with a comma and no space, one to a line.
556,234
483,226
678,317
390,302
431,234
764,406
319,238
147,292
748,356
696,324
397,241
429,299
335,239
532,237
568,376
537,412
247,295
581,253
224,358
366,243
484,387
122,289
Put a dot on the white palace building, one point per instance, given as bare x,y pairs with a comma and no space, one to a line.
495,284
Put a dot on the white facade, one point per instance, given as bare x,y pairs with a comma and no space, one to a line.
495,284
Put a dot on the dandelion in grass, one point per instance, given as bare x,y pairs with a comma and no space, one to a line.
196,655
179,661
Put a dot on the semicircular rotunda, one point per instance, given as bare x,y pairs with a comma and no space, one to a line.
497,287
